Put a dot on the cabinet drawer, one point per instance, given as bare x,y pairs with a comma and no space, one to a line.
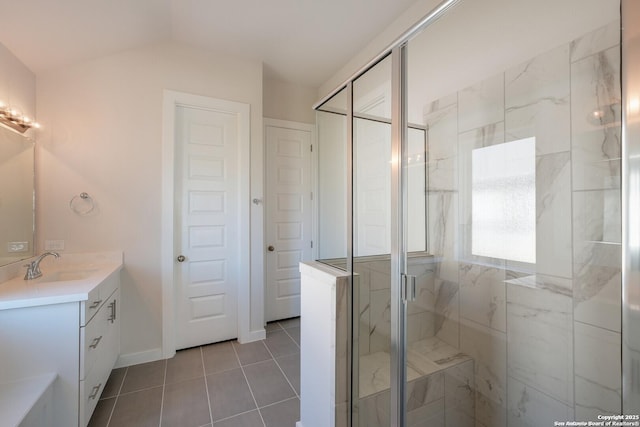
97,298
94,336
92,386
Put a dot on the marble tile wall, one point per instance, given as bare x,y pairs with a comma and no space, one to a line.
375,302
595,150
535,331
441,119
598,385
540,336
441,399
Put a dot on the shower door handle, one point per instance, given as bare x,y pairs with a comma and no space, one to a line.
408,288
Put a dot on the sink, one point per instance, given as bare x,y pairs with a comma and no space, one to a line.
67,275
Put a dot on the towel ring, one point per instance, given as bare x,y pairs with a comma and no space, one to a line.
74,203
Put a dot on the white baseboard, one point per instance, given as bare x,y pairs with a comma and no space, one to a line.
258,335
156,353
140,357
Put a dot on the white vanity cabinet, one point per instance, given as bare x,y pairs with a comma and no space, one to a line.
99,343
67,329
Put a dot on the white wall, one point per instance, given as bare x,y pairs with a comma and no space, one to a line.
17,83
288,101
453,44
102,132
386,36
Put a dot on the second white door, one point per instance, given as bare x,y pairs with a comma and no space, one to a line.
288,215
210,247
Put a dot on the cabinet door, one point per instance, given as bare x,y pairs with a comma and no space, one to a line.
104,356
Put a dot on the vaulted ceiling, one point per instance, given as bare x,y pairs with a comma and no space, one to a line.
301,41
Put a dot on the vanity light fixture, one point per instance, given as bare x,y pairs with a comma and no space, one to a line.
15,120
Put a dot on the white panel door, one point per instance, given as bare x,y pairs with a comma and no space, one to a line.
208,219
288,232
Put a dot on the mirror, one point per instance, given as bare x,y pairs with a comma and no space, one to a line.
16,196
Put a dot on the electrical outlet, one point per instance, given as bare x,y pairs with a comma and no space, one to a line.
17,246
54,245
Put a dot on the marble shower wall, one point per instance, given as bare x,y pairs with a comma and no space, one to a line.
374,284
536,331
597,252
440,399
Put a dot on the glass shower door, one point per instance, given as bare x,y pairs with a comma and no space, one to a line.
516,318
372,246
483,219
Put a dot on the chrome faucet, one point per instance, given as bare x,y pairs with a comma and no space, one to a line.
33,268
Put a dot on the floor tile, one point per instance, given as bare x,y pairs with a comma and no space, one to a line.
290,323
185,365
145,375
101,414
229,394
138,409
290,365
273,326
295,334
185,404
248,419
237,376
267,383
280,344
251,352
219,357
284,414
112,388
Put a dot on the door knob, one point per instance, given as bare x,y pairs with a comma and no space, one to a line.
181,258
271,248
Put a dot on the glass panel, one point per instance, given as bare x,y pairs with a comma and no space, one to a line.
416,165
331,121
336,104
372,92
372,187
517,315
371,244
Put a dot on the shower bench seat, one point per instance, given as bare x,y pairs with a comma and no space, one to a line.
439,390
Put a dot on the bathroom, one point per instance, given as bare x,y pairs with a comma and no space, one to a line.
103,134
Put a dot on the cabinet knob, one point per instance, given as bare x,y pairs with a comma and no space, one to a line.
271,248
181,258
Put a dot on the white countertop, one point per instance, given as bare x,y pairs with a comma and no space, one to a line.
95,268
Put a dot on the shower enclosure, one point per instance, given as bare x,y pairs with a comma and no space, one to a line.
470,181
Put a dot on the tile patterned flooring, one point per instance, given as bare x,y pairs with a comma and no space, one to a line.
219,385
